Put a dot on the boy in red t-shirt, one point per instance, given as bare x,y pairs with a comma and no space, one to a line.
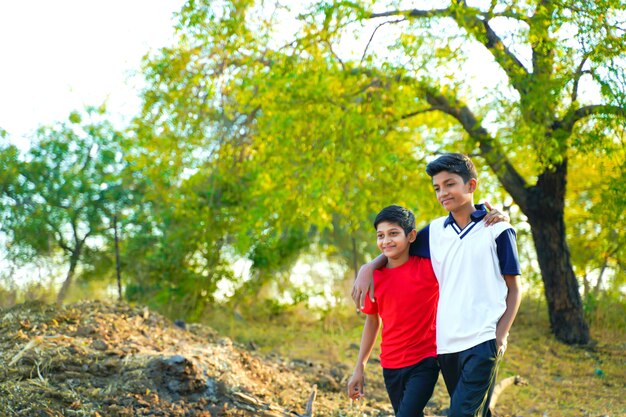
406,294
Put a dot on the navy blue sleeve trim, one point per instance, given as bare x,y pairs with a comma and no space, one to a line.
507,253
420,247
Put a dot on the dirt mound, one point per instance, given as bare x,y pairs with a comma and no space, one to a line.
95,359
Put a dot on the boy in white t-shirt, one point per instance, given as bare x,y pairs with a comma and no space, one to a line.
478,272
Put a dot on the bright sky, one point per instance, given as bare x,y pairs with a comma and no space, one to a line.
61,55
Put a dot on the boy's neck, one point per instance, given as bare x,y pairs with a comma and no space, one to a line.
402,259
462,215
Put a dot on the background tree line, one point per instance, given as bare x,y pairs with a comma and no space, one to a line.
266,134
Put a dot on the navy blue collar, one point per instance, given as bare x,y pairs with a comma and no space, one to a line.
481,211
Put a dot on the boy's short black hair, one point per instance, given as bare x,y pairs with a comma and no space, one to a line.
401,216
456,163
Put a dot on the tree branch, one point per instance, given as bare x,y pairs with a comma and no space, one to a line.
507,60
60,240
542,54
88,159
332,51
414,13
579,73
74,224
374,33
490,149
418,112
476,23
509,14
446,13
570,119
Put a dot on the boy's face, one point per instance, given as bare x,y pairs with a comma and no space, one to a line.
392,241
451,191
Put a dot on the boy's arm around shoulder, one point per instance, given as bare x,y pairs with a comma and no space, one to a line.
356,383
494,215
364,283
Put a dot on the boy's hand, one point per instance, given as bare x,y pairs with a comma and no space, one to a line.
363,285
501,342
494,216
356,385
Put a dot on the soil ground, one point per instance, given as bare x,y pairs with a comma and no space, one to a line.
97,359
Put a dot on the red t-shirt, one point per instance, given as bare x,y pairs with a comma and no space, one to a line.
406,300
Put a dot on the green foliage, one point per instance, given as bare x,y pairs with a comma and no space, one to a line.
59,198
274,252
258,139
260,143
304,134
606,311
175,241
596,206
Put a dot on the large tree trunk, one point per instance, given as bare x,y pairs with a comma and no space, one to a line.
544,209
543,204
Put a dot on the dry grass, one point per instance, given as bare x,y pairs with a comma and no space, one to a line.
562,380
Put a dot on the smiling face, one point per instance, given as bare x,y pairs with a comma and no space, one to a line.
393,242
452,193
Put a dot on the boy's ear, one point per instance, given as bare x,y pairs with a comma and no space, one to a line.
412,235
472,183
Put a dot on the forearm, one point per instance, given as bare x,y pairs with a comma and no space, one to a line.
364,282
376,263
513,300
368,338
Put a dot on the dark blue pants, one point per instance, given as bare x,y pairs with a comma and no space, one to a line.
410,388
470,377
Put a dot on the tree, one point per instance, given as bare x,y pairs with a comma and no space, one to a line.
567,43
174,244
64,193
595,207
315,130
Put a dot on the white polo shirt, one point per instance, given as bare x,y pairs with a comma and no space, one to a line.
470,264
